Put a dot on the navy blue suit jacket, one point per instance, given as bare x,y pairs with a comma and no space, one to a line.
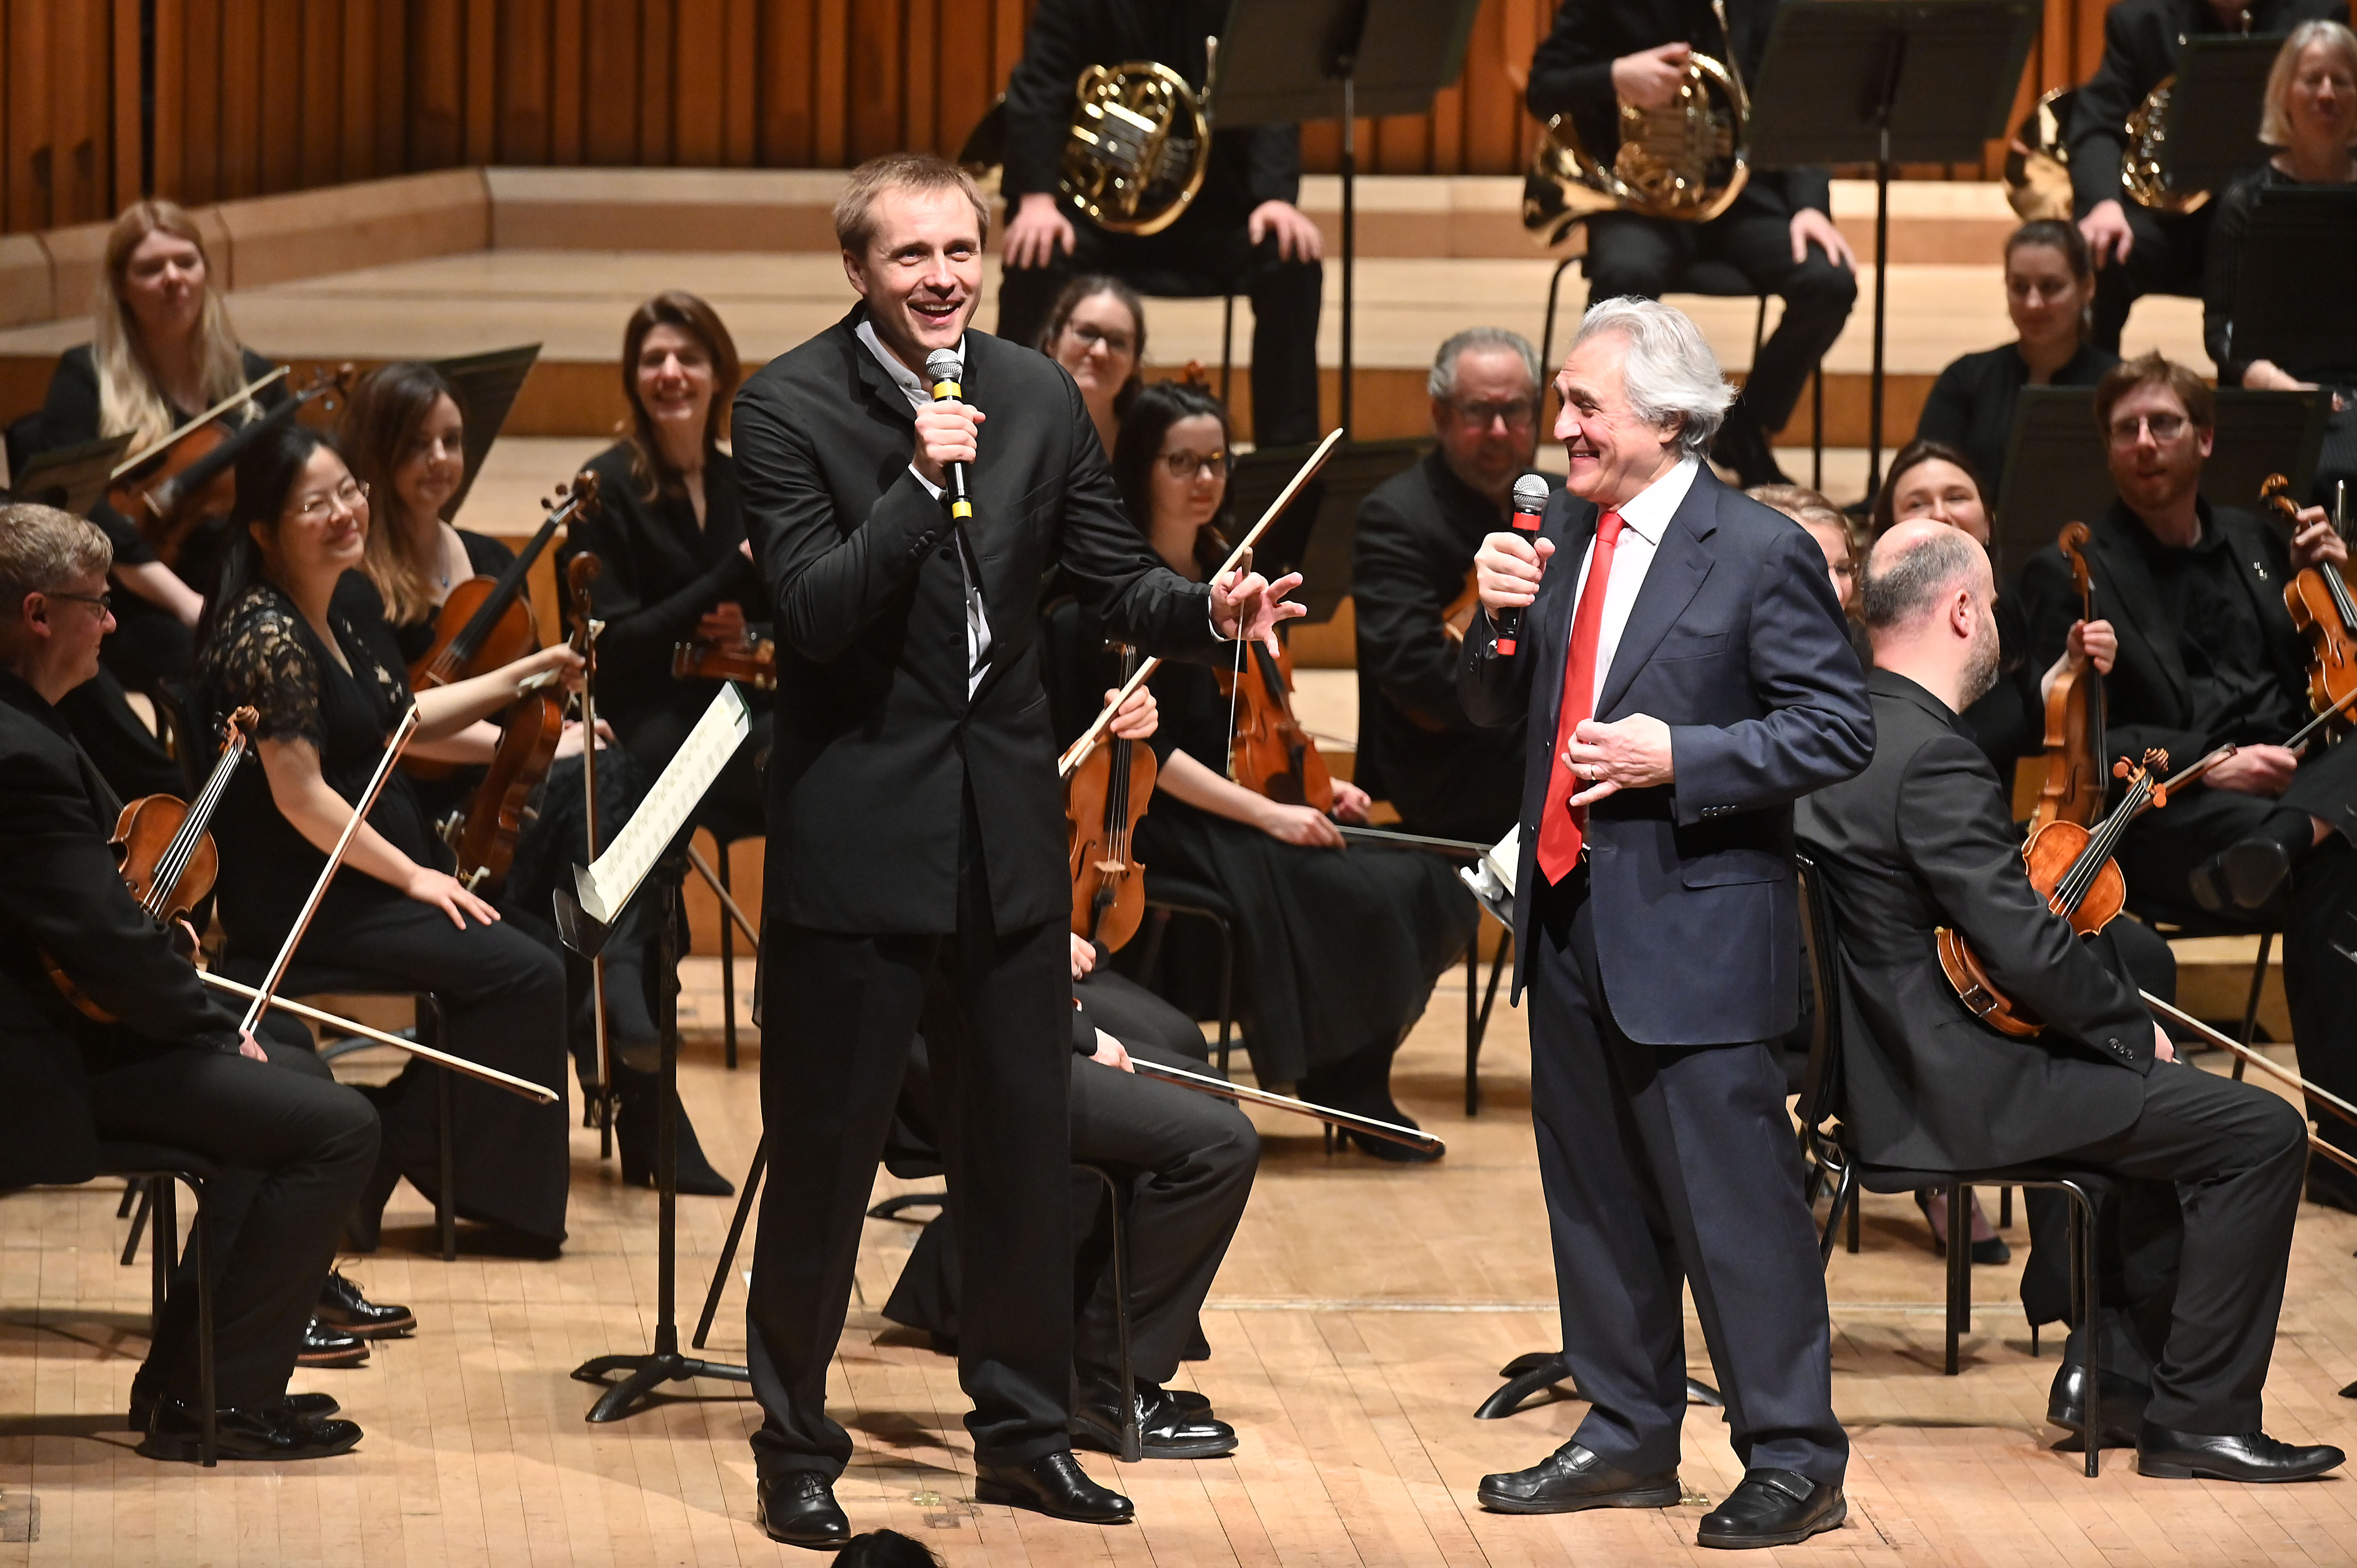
1737,643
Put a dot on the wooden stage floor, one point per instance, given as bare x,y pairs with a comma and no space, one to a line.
1360,1317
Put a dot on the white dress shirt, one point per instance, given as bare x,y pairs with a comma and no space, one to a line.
1643,522
977,624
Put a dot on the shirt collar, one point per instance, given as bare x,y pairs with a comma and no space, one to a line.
917,393
1649,510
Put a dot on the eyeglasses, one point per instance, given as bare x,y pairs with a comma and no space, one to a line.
2163,427
1090,336
350,496
1516,412
1187,465
106,602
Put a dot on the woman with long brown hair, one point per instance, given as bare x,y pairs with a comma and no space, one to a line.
1097,331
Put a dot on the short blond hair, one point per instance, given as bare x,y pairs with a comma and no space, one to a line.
855,210
43,549
2274,118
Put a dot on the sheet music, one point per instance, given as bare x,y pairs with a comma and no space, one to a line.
607,886
1492,881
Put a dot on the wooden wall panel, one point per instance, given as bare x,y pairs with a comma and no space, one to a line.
255,96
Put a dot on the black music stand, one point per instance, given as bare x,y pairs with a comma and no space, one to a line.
2293,303
2214,108
2056,470
70,479
486,385
1884,81
1314,535
1281,59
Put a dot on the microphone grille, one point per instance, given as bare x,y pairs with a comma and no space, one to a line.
943,365
1531,493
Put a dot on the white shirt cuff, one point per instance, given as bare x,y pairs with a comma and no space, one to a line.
931,488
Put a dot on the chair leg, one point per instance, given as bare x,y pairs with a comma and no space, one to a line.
1555,287
1844,1200
2005,1208
208,1394
445,1132
1850,1241
1817,429
1472,1024
139,1216
162,1255
2251,1007
2087,1288
1227,989
130,1194
1758,330
1117,1203
1227,349
728,963
1960,1267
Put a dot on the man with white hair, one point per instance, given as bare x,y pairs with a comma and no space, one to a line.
1687,677
1924,839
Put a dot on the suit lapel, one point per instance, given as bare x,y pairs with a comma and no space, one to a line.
1680,564
2133,603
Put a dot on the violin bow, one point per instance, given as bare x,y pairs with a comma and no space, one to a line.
393,750
243,394
523,1087
1349,1121
2323,1100
1080,750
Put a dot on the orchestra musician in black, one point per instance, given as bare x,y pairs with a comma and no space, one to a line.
1243,233
916,834
1922,840
1778,231
2140,250
1411,564
170,1069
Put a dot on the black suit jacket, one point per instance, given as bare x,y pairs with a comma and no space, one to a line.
1249,164
1737,643
2142,39
1572,72
876,738
1921,839
2147,703
1416,534
62,894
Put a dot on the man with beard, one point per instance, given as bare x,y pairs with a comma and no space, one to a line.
1923,839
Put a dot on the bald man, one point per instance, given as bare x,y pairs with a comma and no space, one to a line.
1923,838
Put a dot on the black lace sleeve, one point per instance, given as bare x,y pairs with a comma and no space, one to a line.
260,660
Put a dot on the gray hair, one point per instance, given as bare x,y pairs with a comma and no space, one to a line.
1926,570
1668,370
1442,383
2274,117
42,550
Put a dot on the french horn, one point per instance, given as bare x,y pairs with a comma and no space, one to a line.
2038,160
2144,162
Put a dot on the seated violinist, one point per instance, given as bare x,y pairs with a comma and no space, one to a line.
1922,839
2208,655
1411,563
330,687
170,1068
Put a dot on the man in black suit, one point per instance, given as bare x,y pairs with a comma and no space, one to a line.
1241,234
1778,231
2140,251
170,1069
2208,655
1923,839
1411,563
916,829
1686,676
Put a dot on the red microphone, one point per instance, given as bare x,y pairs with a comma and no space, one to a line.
1530,502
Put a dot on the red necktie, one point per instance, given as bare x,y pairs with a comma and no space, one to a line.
1562,828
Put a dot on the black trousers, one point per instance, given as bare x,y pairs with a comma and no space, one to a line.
1628,254
2167,257
841,1008
1665,1165
1193,258
2234,1154
295,1147
2163,848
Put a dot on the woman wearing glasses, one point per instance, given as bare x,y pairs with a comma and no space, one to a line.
327,681
1097,331
1338,948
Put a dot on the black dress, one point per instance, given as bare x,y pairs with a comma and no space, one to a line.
1971,405
662,572
503,993
1336,949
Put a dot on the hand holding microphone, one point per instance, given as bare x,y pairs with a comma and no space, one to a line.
946,431
1509,566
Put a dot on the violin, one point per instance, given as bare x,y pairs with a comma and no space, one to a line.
187,482
2072,866
166,858
2321,609
1104,798
2075,789
1272,755
749,658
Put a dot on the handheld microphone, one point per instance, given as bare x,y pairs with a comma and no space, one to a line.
948,373
1530,502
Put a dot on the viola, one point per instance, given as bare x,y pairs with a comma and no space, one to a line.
188,482
1104,798
2318,597
2074,788
749,658
2072,866
1271,753
1458,614
166,858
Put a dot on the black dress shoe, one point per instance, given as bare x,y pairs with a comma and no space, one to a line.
799,1508
270,1433
2244,1456
324,1345
1773,1507
1054,1485
2124,1402
1572,1478
1165,1431
2241,878
1189,1401
636,1131
313,1407
341,1306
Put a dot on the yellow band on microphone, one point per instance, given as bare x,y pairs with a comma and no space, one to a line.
948,390
960,508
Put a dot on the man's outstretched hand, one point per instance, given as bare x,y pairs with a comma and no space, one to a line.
1247,606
